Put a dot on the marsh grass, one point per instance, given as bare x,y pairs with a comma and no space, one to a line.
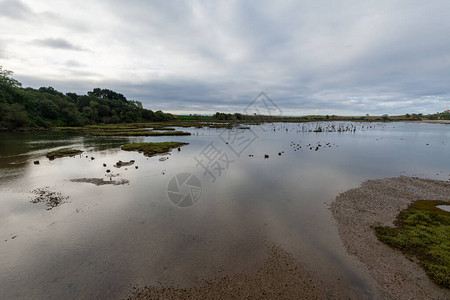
62,153
151,149
424,231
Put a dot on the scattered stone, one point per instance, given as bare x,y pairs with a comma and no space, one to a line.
36,162
266,155
107,171
104,165
51,199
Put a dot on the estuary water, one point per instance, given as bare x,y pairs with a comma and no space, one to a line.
248,189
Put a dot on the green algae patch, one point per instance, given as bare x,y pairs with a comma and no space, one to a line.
133,132
62,153
424,231
151,149
132,129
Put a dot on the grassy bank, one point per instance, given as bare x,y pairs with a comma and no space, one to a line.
424,231
62,153
151,149
132,129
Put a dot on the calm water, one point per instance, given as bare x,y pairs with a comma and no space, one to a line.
105,239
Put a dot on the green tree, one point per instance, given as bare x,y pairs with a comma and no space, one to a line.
7,80
12,116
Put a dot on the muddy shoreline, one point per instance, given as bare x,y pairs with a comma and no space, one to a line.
280,277
377,202
392,275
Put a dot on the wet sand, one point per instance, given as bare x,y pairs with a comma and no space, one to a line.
281,277
377,202
357,211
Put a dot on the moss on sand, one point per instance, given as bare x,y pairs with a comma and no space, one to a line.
151,149
62,153
424,231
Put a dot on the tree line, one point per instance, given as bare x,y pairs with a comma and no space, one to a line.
47,107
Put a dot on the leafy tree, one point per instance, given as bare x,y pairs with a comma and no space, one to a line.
46,107
12,116
6,80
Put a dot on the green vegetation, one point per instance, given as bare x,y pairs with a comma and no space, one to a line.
151,149
132,129
439,116
196,117
423,230
46,107
28,108
62,152
133,132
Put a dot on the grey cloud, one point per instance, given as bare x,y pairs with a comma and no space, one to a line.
14,9
347,56
58,43
72,63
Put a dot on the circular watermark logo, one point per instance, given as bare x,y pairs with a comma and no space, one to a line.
184,190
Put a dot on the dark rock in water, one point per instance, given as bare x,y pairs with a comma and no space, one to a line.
279,153
104,165
86,156
266,155
136,167
179,149
92,158
123,164
36,162
107,171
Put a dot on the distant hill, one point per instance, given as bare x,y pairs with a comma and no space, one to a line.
47,107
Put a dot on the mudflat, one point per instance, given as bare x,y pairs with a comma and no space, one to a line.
378,202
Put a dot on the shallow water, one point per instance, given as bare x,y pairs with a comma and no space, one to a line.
444,207
105,239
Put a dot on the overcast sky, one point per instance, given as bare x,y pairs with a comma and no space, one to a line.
310,57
